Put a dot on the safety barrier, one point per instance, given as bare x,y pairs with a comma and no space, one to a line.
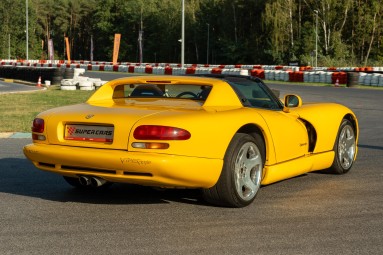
32,74
55,70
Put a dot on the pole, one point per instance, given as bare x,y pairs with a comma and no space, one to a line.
26,31
183,35
316,39
140,35
207,46
91,48
9,46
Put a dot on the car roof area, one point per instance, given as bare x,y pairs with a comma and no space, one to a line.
222,94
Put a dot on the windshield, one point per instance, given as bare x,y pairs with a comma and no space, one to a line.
179,91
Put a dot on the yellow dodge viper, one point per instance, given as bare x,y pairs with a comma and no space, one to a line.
224,134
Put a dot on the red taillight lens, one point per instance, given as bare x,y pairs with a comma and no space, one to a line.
151,132
38,125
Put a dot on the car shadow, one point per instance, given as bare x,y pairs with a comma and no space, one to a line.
373,147
19,177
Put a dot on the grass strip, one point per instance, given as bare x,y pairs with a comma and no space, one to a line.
17,111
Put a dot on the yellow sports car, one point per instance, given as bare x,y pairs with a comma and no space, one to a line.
224,134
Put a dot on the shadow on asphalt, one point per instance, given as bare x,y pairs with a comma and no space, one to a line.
370,147
19,177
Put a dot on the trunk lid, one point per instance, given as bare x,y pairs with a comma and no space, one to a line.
105,124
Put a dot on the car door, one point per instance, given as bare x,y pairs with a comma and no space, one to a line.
288,133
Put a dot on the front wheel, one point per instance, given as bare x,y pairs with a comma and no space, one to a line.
345,149
241,174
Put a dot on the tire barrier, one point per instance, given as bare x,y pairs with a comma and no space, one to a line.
32,74
371,79
57,76
55,71
68,73
81,82
86,85
352,79
339,77
296,76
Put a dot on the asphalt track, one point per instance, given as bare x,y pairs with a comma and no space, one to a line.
11,87
311,214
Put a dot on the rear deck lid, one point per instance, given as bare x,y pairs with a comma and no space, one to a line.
107,124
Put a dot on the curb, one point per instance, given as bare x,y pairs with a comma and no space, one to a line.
18,81
15,135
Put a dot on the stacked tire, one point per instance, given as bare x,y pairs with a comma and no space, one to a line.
86,85
68,84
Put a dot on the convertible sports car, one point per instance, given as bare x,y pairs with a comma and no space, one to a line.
224,134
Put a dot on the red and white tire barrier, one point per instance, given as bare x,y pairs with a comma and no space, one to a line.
268,72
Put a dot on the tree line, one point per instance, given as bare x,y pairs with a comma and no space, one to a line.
344,32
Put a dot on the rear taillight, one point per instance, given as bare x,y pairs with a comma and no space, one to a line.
152,132
38,125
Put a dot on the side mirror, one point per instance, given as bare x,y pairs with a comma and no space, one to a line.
293,101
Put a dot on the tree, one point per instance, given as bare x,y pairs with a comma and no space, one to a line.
225,31
279,16
367,19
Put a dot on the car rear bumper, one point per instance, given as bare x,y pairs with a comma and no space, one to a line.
151,169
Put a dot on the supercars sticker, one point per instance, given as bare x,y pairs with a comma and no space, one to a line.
89,133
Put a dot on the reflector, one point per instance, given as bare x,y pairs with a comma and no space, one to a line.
38,137
150,145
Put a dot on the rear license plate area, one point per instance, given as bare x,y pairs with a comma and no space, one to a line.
92,133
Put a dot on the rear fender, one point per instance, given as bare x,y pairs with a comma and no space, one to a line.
211,132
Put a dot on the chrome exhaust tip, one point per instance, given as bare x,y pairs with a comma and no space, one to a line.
84,180
97,182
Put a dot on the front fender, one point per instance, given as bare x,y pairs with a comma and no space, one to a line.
326,119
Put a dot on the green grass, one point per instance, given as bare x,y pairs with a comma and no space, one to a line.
17,111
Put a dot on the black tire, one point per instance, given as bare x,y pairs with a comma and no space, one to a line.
344,148
68,73
56,80
238,185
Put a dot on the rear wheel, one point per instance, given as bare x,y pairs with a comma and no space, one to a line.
345,149
241,174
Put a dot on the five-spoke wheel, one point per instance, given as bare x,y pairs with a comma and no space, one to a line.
241,174
345,149
248,171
